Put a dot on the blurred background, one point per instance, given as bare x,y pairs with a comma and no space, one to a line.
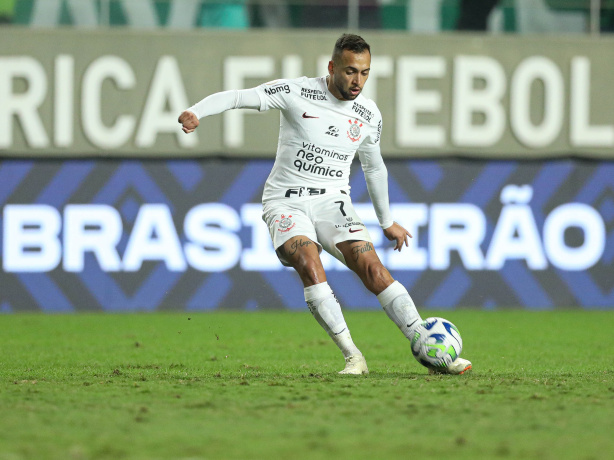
498,136
415,16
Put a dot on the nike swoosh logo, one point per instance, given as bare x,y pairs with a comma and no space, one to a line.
308,116
355,230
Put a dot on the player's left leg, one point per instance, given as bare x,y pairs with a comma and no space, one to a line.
392,295
458,366
342,233
360,257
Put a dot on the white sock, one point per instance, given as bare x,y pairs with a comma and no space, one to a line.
325,308
397,303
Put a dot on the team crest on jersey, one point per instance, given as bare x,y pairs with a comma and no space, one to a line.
285,224
354,131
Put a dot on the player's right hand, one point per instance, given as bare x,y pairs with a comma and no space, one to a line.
189,121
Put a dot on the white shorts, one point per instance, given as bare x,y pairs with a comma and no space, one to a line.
326,220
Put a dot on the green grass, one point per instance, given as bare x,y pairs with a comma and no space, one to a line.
265,386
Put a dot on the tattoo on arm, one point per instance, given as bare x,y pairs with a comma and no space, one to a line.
296,244
358,250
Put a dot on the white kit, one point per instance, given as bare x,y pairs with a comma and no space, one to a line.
319,137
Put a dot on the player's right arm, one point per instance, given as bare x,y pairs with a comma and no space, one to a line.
270,95
189,121
217,103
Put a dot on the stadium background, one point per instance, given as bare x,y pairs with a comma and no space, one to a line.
500,149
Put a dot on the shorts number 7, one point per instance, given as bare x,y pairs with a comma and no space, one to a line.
341,208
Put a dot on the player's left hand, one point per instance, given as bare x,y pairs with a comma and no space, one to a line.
397,233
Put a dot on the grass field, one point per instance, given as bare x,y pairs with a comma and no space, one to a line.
265,386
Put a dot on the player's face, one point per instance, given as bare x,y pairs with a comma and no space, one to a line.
348,76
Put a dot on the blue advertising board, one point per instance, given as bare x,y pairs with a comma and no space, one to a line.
157,235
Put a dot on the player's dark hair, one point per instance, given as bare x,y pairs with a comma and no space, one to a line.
350,42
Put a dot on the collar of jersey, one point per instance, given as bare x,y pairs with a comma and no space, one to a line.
331,96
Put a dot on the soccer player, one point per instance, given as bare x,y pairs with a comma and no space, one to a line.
325,121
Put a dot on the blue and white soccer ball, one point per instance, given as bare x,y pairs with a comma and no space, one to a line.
436,343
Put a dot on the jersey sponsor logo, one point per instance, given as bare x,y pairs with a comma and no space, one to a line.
333,131
303,191
310,147
379,131
308,116
354,130
313,94
362,111
277,89
285,224
316,168
311,159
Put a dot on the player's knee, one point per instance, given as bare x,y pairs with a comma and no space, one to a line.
376,276
309,270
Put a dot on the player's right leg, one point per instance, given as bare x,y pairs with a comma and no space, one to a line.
295,239
321,301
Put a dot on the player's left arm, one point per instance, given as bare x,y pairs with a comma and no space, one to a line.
399,234
376,176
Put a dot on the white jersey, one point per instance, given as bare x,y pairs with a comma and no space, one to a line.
319,136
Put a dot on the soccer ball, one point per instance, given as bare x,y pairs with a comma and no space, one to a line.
436,343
